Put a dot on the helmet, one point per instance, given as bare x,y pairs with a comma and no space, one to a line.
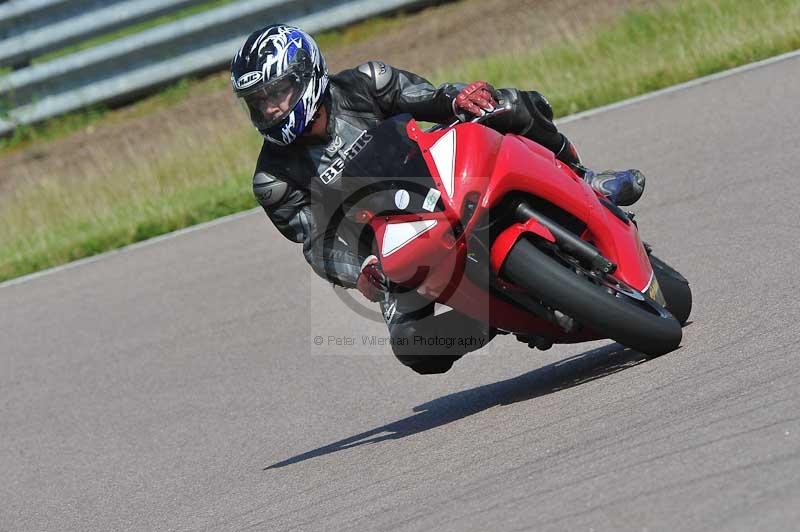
280,77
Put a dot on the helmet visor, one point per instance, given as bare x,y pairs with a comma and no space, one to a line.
270,103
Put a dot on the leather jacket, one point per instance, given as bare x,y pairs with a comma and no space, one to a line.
298,185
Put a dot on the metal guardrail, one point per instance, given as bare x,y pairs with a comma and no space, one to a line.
132,65
20,16
32,33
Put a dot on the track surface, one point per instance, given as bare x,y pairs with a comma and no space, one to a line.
176,386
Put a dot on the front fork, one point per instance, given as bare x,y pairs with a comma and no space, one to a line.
569,245
531,221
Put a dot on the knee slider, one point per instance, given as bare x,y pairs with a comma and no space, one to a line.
427,364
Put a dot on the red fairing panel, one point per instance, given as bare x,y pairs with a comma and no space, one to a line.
421,251
525,166
620,242
539,173
464,169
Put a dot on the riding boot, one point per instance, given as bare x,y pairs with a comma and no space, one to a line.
623,187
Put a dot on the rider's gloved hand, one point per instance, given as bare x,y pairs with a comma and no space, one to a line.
475,99
372,282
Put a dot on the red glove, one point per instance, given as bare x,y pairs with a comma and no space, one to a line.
372,282
476,98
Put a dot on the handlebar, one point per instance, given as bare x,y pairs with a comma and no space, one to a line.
500,109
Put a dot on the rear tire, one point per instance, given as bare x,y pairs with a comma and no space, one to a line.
675,288
621,319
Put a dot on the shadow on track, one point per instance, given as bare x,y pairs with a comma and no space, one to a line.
560,375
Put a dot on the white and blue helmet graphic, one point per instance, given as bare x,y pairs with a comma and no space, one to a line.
280,77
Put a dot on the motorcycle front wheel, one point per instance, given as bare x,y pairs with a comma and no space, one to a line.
675,288
621,315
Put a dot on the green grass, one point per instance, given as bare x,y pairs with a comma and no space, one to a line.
360,31
53,221
26,135
199,176
644,51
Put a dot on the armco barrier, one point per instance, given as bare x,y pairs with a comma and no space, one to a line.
27,34
200,43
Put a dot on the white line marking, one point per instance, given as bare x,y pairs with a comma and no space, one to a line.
565,120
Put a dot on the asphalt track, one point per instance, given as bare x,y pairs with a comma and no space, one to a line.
176,386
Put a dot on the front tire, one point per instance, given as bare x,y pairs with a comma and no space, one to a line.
620,318
675,288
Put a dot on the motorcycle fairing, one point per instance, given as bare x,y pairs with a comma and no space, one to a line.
476,167
517,164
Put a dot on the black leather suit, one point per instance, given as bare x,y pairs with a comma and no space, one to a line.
299,188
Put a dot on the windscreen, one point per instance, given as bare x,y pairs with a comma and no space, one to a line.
389,174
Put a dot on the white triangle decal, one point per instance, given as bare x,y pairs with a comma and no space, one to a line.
399,234
444,156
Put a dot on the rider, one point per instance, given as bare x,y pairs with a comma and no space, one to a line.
311,123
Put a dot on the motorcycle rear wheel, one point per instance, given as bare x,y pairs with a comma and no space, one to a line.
619,317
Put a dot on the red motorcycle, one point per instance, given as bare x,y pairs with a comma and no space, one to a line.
495,227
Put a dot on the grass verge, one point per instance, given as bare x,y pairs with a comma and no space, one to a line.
113,204
644,51
52,223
